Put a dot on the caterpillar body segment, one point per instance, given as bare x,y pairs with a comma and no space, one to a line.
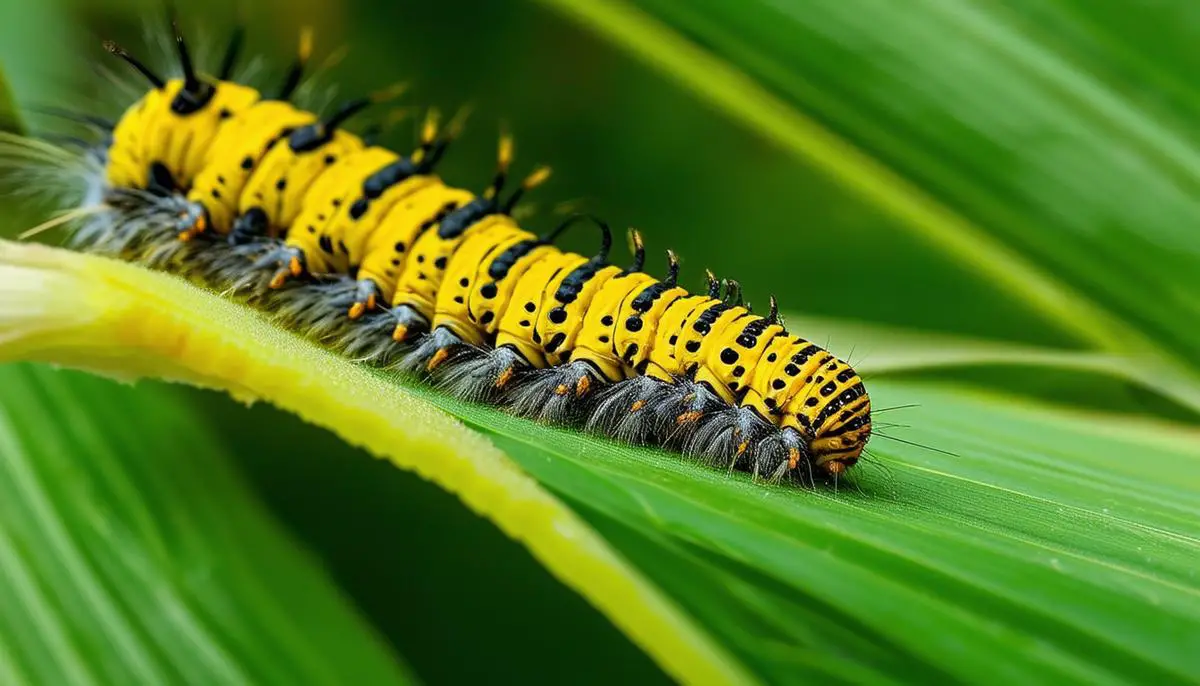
402,214
236,152
415,297
160,143
483,276
471,312
613,337
665,361
372,252
436,239
128,165
282,183
506,287
523,327
484,259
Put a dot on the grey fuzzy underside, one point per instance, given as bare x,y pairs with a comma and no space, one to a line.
681,415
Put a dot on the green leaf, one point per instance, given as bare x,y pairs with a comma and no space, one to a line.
972,127
1047,548
127,560
128,322
1045,149
1050,545
430,574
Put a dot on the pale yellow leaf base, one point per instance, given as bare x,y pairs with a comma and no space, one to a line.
121,320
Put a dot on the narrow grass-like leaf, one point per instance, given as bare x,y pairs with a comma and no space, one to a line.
124,321
1047,545
126,560
902,104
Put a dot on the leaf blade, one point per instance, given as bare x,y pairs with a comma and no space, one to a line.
956,521
140,323
1033,541
723,86
764,62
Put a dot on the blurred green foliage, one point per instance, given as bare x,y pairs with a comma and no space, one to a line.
120,566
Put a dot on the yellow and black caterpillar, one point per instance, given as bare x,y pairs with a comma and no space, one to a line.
371,251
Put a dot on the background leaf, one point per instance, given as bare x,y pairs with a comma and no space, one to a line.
126,560
902,104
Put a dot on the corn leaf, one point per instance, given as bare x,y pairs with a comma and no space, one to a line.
1035,540
999,141
126,322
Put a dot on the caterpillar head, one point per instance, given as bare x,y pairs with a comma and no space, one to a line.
841,424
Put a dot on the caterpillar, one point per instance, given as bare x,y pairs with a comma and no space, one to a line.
370,251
